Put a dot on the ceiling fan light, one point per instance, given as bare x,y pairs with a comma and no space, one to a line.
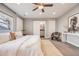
25,14
41,7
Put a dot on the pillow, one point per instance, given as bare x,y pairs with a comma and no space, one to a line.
19,34
13,35
4,37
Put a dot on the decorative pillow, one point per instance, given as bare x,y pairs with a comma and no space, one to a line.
4,37
19,34
13,35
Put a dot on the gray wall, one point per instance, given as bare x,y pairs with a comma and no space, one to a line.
6,10
62,22
11,13
28,27
28,24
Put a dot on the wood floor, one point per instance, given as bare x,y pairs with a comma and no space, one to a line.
65,49
49,49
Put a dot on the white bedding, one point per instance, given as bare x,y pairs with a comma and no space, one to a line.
25,46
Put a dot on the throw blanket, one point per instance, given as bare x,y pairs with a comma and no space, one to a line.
25,46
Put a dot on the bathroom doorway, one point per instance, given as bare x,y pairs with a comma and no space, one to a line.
42,29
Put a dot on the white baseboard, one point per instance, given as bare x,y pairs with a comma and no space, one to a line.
73,44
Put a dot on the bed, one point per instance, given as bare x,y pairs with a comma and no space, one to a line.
25,46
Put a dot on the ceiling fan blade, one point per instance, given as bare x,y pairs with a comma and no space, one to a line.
42,10
35,9
37,3
47,5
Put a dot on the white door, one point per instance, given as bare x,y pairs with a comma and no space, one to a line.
36,28
50,28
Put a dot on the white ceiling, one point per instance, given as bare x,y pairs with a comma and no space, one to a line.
50,12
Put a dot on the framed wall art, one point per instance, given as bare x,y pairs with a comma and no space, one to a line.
6,22
73,23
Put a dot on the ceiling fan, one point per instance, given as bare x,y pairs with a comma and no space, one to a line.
41,6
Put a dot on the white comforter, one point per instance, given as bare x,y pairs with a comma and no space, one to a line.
25,46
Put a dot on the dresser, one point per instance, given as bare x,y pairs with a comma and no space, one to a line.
72,38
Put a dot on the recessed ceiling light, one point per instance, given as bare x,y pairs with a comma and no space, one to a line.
40,13
54,13
25,14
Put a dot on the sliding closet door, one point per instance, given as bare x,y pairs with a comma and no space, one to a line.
36,28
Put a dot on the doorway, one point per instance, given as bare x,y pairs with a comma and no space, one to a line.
42,29
39,28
